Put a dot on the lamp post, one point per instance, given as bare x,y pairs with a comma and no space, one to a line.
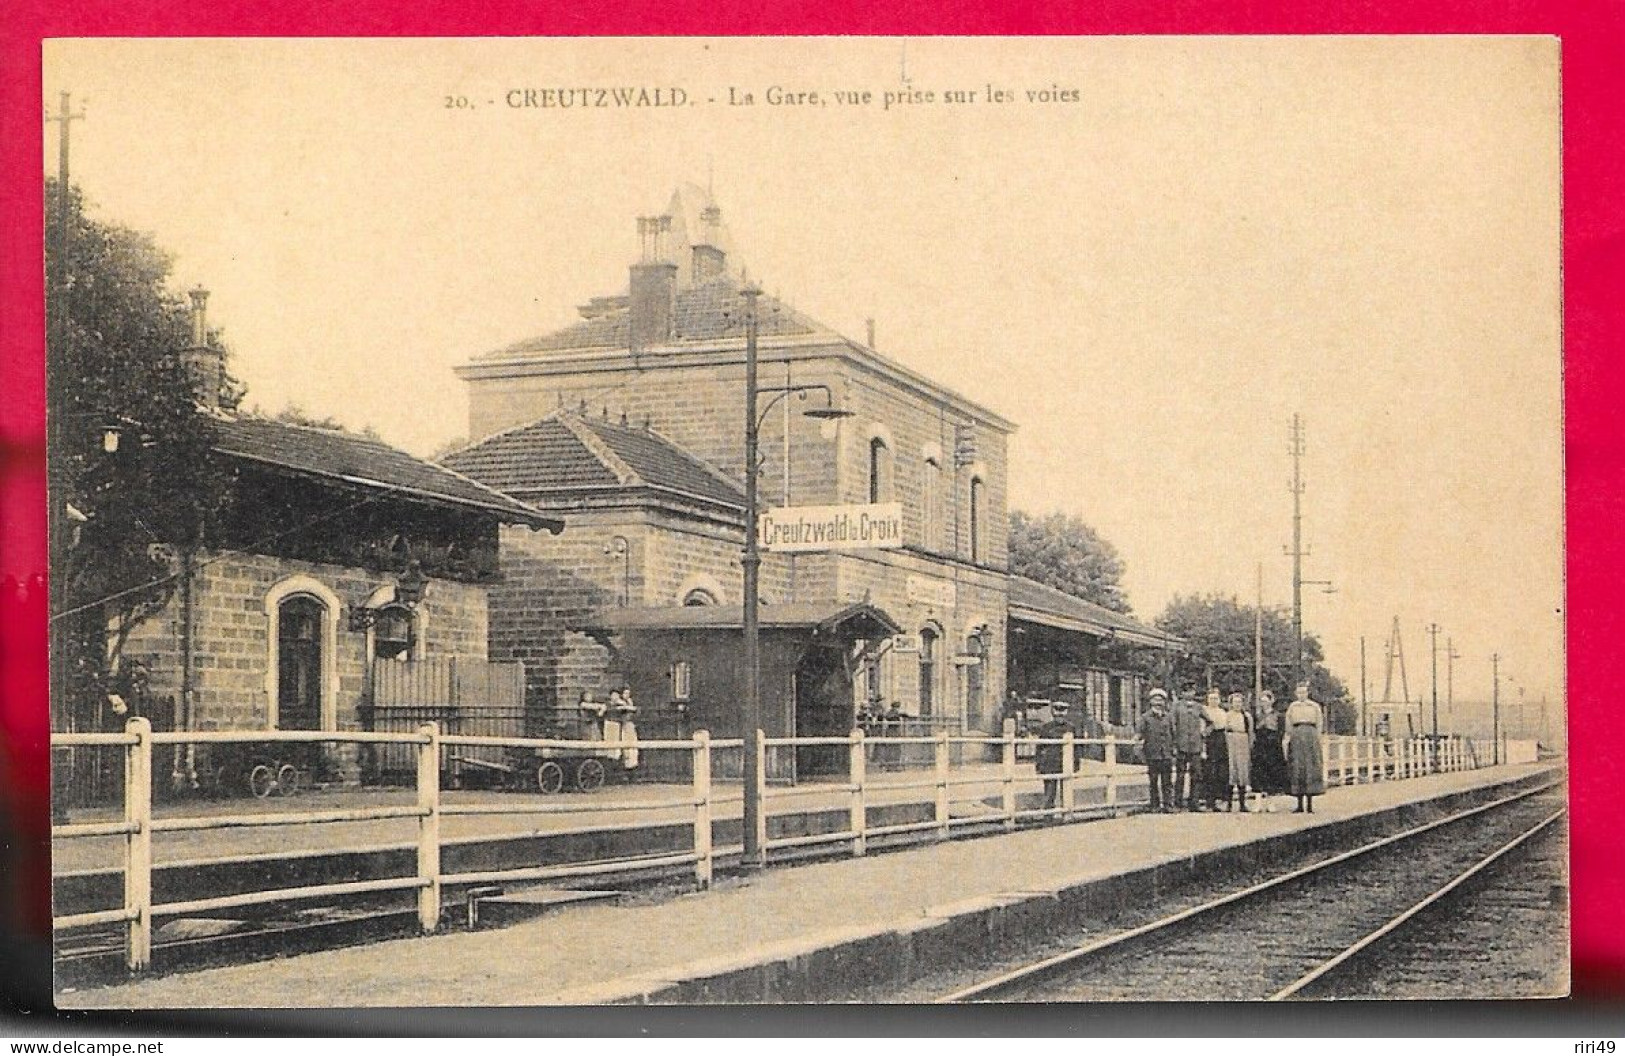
751,562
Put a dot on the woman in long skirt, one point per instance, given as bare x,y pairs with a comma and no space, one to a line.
1216,765
1238,743
1305,769
1269,762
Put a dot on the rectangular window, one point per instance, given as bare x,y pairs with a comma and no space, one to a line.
681,675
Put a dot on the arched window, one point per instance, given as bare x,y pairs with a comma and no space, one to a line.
299,663
930,488
976,518
928,671
879,470
301,677
394,635
698,597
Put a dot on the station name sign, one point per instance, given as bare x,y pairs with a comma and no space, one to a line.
799,529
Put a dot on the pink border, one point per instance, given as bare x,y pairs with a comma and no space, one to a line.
1593,36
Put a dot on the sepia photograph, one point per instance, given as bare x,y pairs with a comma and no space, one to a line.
719,521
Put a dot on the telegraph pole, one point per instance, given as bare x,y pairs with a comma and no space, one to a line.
57,330
1363,725
1433,635
1258,641
1297,449
1495,705
1450,658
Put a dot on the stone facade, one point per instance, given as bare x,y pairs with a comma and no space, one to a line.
907,440
234,597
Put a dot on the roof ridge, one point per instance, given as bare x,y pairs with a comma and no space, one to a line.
715,472
511,430
341,432
578,427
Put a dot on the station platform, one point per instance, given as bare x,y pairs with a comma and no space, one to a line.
804,932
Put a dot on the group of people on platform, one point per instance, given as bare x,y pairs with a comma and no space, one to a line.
612,720
1199,755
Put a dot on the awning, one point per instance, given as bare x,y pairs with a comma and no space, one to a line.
832,619
1033,602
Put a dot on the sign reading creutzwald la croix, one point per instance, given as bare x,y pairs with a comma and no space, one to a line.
802,528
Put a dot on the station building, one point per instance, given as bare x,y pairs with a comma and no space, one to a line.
629,425
294,614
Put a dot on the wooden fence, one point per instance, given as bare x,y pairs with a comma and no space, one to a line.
465,697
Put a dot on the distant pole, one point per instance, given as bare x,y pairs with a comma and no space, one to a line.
1433,635
1364,725
1495,706
1258,641
1450,656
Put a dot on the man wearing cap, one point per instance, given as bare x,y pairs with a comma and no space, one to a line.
1187,749
1157,743
1049,757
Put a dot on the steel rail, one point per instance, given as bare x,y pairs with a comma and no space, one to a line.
1354,949
1030,973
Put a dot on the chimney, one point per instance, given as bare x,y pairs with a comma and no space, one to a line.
709,261
653,287
206,363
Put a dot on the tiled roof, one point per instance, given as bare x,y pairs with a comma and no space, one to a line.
568,452
856,618
1031,598
366,462
710,311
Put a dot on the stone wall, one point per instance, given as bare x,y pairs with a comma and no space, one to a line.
232,626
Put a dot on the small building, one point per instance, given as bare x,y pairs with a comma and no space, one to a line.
294,614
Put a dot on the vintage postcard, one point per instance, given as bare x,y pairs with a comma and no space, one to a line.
555,522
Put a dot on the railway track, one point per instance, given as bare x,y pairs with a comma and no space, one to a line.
1290,936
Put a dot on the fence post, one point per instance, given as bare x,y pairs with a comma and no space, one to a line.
857,804
138,844
702,808
429,827
760,748
940,755
1069,774
1007,800
1111,770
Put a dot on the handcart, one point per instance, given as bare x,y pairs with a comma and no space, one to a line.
578,767
262,770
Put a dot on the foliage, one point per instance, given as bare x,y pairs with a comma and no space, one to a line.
1220,633
115,361
294,414
1061,551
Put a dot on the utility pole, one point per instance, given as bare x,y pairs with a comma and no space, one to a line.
1433,634
57,330
1297,449
1363,724
1258,641
1450,658
751,563
1495,706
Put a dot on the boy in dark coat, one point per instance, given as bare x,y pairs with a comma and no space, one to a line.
1157,743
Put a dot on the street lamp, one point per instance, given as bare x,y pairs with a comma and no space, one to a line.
751,562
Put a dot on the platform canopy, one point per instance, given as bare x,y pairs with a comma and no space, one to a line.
832,619
1033,602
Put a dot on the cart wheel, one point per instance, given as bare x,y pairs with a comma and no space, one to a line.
550,777
589,775
287,779
261,780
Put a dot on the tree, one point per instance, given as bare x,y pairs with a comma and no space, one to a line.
134,477
294,414
1061,551
1219,634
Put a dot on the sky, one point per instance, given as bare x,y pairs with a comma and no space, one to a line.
1151,264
